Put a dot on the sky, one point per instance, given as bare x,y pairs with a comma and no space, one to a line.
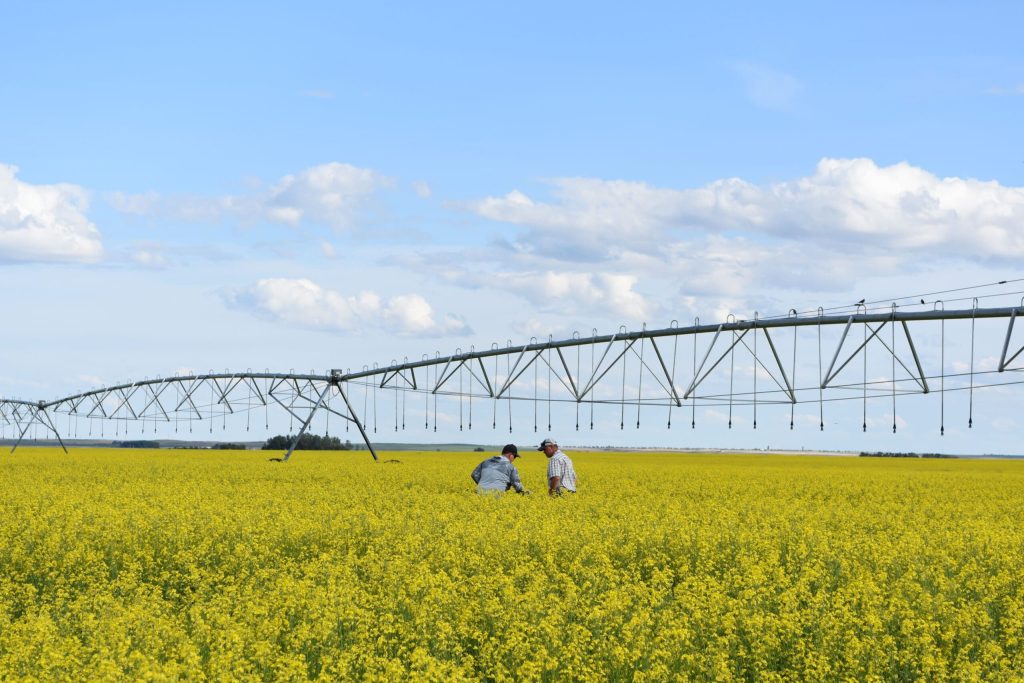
211,186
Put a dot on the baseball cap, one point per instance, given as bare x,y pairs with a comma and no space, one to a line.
510,448
547,442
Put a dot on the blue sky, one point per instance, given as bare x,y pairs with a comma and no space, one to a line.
256,185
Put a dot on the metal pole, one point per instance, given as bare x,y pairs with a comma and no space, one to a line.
359,425
305,424
53,428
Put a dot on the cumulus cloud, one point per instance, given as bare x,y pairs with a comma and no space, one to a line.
573,291
307,304
589,214
326,194
45,222
330,194
845,203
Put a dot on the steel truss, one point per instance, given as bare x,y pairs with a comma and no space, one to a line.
649,359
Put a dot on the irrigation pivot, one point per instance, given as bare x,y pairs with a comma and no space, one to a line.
865,353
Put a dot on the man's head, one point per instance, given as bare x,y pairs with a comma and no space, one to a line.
548,447
510,451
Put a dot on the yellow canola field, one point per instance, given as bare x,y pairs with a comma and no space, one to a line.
164,565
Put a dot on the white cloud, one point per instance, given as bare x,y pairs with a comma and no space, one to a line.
572,291
766,87
890,213
45,222
590,214
304,303
327,194
330,194
565,293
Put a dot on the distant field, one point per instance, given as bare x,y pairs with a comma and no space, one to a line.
165,565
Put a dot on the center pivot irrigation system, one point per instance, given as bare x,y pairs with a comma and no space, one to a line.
866,353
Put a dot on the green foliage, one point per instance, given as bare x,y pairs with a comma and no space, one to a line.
307,442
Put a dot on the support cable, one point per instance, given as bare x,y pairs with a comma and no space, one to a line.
248,411
549,384
366,401
792,406
942,374
693,398
672,379
593,351
640,379
893,326
732,367
970,404
223,409
755,369
210,382
622,403
821,378
533,340
576,335
494,416
864,424
508,374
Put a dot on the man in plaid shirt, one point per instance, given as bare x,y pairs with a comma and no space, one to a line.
561,475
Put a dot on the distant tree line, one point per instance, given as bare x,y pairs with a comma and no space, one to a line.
137,444
881,454
307,442
229,447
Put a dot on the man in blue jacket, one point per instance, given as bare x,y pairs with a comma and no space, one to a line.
498,474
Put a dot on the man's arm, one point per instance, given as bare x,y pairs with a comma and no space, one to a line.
556,472
476,473
517,483
554,483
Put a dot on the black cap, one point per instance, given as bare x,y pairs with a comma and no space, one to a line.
510,448
547,442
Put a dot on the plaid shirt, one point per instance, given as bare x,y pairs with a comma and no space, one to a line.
559,465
